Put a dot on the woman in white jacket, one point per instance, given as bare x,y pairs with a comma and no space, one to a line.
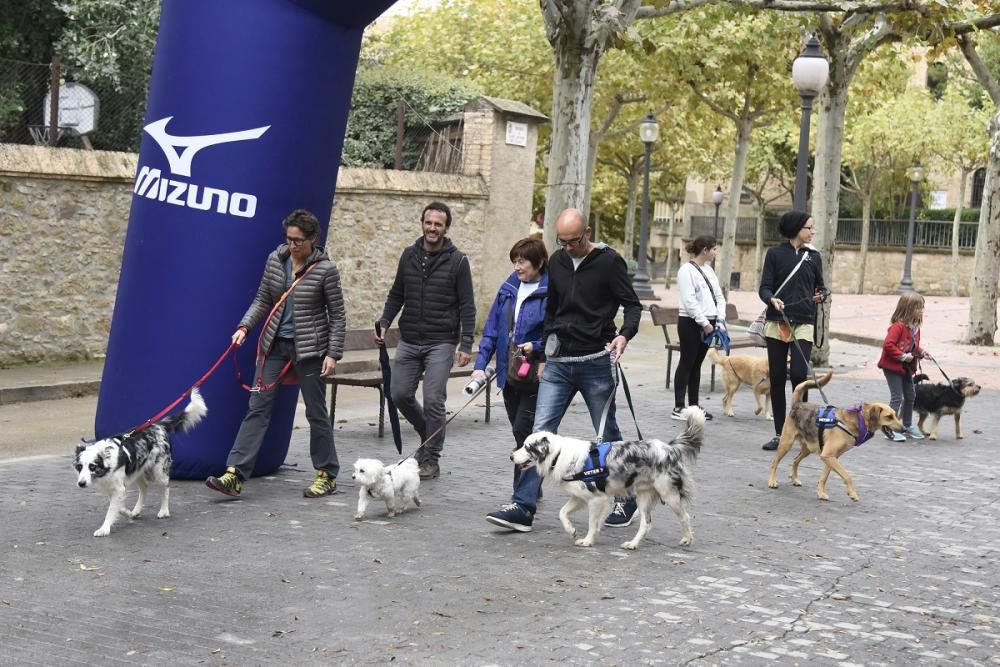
702,309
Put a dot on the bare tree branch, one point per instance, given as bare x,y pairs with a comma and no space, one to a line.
965,27
625,129
986,78
711,104
677,6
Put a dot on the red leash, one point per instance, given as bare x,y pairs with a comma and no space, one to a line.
233,346
146,424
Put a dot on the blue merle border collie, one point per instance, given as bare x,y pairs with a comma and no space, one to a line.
140,458
655,471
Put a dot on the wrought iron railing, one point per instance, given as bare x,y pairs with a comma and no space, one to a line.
882,233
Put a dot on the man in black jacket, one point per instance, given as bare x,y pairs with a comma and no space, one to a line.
433,286
587,284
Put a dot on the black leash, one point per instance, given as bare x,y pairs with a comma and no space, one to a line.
942,372
479,390
798,347
619,374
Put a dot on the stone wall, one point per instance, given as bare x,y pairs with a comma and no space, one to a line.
63,215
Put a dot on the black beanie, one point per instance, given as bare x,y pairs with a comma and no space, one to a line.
791,223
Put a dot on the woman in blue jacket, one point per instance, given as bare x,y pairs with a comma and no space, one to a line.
521,301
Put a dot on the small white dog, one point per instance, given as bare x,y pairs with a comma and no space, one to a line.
112,464
395,484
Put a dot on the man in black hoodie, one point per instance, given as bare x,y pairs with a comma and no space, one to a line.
433,286
588,282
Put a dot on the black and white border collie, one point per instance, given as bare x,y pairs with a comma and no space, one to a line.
655,471
112,464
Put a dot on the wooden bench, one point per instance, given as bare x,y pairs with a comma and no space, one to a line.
359,370
666,319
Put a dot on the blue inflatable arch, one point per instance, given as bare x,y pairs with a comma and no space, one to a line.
245,121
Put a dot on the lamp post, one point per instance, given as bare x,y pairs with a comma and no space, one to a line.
717,200
648,132
809,74
916,174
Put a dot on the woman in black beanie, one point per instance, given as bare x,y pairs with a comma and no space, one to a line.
791,283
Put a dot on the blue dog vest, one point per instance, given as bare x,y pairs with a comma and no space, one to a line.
595,474
827,418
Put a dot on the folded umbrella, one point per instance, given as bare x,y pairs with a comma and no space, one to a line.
383,358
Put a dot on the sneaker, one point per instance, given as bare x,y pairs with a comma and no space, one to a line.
429,470
622,514
323,485
913,432
678,414
230,483
772,444
512,516
897,436
708,415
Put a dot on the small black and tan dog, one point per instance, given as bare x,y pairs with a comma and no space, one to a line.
942,399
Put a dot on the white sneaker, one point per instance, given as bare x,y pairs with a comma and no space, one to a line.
678,414
896,437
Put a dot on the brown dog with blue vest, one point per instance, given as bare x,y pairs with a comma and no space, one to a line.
852,427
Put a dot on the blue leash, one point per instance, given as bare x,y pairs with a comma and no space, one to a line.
718,338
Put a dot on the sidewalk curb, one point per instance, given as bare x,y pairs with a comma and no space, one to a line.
51,392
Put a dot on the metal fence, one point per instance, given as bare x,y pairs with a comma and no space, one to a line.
927,234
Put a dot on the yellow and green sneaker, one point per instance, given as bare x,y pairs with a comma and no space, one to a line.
323,485
230,483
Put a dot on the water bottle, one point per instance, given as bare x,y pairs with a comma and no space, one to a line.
476,384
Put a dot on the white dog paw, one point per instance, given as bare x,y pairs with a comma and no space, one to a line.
359,516
630,545
584,543
416,501
391,514
163,514
102,532
686,541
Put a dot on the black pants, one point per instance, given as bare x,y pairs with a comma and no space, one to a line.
687,377
521,414
777,359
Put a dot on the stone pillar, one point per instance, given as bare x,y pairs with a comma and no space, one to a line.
499,142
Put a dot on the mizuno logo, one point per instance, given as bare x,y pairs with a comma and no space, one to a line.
180,163
180,152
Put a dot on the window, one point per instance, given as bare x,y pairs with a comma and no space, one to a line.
978,183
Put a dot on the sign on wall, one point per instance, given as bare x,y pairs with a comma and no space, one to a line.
517,133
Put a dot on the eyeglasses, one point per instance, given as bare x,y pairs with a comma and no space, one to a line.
562,243
295,241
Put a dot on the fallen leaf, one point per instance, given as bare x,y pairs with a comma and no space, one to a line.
167,589
216,650
280,633
131,653
607,596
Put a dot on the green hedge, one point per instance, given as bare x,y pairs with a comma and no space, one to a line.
370,140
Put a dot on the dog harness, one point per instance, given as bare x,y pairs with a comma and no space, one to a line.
827,418
595,475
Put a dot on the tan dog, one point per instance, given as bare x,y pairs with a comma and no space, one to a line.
741,369
801,425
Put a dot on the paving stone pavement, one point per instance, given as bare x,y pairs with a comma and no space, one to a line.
906,575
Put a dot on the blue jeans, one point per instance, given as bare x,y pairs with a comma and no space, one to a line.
595,380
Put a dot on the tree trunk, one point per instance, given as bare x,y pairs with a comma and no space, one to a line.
982,325
669,269
597,226
866,225
956,225
826,189
744,129
758,249
592,146
575,57
633,196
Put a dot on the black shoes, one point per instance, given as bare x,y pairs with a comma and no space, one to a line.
771,444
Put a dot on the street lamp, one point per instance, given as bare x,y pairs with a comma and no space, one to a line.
809,74
717,200
648,132
916,175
